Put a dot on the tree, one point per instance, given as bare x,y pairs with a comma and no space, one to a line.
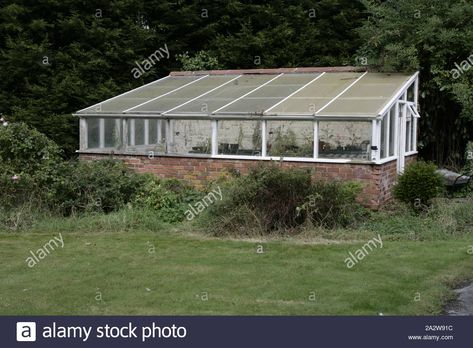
433,37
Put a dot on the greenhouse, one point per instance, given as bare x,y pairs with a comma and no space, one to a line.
338,116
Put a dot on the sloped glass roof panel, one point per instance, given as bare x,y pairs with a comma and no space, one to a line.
316,94
328,94
185,94
224,95
368,96
270,94
140,95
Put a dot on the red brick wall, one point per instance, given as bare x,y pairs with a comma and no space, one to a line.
377,180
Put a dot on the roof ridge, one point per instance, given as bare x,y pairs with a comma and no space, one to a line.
271,71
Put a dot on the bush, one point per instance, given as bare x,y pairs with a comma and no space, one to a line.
98,186
333,204
29,162
418,185
168,197
270,199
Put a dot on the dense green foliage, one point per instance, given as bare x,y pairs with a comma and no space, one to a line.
29,161
433,37
418,185
271,199
333,204
98,186
168,198
33,175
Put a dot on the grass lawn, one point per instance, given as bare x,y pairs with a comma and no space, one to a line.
117,272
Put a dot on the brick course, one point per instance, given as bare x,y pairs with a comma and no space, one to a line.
377,179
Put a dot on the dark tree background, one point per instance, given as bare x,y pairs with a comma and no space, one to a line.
58,56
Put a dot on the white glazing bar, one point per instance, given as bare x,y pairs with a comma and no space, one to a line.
200,96
165,94
159,131
378,139
263,138
293,93
414,133
214,142
342,92
101,133
387,124
316,139
244,95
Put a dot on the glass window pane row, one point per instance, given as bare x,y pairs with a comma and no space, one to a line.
224,95
289,139
317,94
183,95
270,94
141,95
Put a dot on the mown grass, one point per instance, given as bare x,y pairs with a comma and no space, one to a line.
107,267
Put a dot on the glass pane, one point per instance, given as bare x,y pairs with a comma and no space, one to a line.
290,138
345,140
410,92
392,129
139,132
153,131
239,138
190,136
384,124
408,134
93,133
112,132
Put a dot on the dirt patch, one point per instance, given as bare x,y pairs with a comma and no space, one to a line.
463,304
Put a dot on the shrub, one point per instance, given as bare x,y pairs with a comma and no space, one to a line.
98,186
168,197
271,199
29,162
418,185
333,204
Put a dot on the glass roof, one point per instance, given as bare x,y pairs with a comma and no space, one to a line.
329,94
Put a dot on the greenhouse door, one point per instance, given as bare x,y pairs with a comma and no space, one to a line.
401,138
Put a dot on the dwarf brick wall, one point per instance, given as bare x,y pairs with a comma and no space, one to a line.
377,180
